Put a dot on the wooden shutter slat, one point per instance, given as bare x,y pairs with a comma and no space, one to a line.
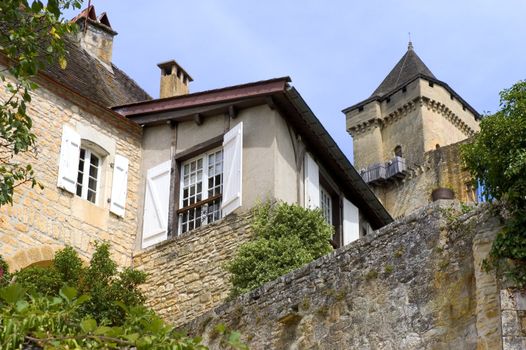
233,167
156,204
119,186
69,159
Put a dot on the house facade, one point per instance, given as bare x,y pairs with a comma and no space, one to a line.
208,159
170,182
88,159
228,149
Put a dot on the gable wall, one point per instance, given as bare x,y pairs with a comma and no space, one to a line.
52,217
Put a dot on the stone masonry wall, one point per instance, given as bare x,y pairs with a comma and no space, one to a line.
513,306
185,274
441,168
42,221
415,284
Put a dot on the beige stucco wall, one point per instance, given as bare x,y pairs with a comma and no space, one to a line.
53,217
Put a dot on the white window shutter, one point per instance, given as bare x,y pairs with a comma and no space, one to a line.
119,185
232,171
312,183
351,222
156,204
69,159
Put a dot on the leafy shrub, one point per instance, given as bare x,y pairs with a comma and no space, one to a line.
287,237
100,279
4,272
497,157
57,323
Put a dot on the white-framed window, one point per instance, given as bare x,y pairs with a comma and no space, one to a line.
201,190
326,205
84,169
88,177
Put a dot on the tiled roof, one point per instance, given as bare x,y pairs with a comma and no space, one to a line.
87,76
409,66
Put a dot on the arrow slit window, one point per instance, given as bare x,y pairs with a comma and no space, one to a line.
201,190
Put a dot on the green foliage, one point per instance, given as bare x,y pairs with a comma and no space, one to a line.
107,286
497,157
41,280
54,322
32,35
287,237
5,277
35,313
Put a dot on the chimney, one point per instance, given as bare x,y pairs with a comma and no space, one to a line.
174,79
96,35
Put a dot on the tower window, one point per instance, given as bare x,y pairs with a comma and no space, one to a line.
431,84
387,100
398,151
167,71
360,109
404,89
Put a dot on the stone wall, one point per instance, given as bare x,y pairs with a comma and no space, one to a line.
42,221
415,284
441,168
513,306
186,275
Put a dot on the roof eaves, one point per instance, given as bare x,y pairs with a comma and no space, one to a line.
418,76
200,98
335,152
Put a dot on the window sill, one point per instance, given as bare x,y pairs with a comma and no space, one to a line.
89,213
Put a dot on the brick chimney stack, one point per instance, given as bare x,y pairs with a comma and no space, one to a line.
96,35
174,79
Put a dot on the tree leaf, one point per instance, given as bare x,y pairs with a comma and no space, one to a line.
88,325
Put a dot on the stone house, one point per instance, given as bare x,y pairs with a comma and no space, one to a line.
399,134
163,179
88,157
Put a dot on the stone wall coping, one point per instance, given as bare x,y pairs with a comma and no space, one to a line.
435,208
175,239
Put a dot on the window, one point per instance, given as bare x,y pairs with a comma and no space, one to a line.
201,190
398,151
326,205
88,175
85,156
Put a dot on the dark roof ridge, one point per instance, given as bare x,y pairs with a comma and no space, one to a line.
204,92
407,67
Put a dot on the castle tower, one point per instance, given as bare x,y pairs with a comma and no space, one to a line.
410,114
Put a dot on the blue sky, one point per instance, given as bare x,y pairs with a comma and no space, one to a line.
336,52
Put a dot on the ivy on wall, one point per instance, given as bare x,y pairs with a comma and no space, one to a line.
497,158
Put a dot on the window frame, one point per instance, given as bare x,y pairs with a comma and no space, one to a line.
326,205
205,199
84,186
178,159
334,194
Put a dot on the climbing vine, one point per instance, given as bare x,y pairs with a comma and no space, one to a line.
497,158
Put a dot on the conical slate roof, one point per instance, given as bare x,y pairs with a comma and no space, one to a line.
409,66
